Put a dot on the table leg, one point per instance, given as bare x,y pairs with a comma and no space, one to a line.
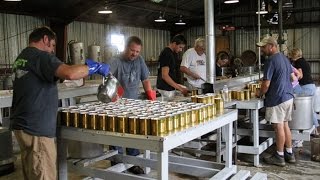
62,159
228,145
218,146
163,165
255,120
147,156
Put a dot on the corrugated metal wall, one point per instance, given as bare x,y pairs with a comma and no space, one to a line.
14,33
88,33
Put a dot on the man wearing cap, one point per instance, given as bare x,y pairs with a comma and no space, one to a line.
278,91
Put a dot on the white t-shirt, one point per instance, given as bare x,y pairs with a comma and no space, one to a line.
196,64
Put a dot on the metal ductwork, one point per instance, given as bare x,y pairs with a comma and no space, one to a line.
210,49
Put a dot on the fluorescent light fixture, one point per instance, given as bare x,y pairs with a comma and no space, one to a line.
231,1
105,11
12,0
180,22
262,12
160,18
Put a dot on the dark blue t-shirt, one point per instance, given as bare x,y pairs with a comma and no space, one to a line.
278,70
129,73
35,93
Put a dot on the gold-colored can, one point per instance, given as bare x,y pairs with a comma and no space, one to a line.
74,118
92,123
102,121
229,95
111,123
170,123
210,111
240,95
183,117
194,116
122,124
233,94
200,115
219,104
133,125
188,118
144,126
214,110
209,99
194,99
83,119
65,118
202,99
158,126
194,92
176,121
247,94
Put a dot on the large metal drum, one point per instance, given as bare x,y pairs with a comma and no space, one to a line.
302,114
94,52
76,52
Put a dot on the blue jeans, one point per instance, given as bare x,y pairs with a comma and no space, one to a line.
307,90
130,151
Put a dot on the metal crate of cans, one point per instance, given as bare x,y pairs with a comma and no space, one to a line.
141,117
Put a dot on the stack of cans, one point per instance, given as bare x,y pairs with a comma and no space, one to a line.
140,117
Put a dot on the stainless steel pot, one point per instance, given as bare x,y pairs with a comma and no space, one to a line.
302,114
110,89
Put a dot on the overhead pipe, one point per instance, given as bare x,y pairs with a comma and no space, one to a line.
280,14
210,49
259,37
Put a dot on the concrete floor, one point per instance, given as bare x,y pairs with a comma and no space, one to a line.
304,169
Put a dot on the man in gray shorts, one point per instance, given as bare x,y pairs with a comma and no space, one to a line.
278,91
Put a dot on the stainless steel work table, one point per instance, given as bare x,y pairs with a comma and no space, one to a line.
160,145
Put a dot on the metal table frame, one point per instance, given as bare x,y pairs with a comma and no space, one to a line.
253,106
159,145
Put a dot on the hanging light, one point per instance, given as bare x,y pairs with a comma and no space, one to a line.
180,22
287,4
105,10
231,1
160,18
263,9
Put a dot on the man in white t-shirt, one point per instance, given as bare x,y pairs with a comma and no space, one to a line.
193,64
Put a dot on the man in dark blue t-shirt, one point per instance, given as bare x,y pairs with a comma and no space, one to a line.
276,86
35,101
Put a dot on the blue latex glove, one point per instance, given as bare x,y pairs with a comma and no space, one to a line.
104,69
97,68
